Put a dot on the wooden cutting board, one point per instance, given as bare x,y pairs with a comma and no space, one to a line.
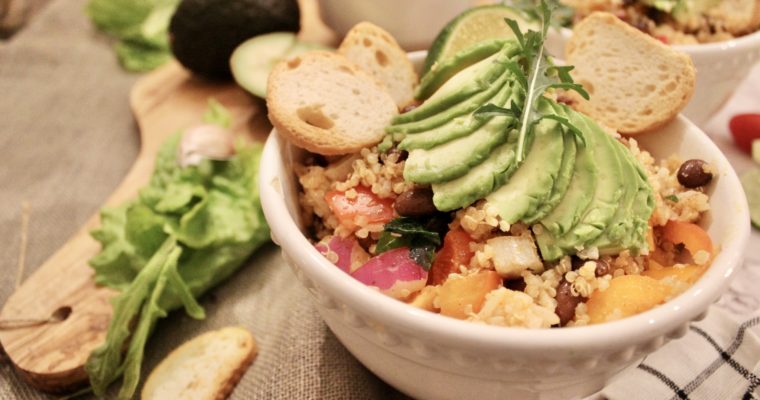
51,356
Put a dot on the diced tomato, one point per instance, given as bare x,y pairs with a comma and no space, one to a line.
364,208
745,128
455,252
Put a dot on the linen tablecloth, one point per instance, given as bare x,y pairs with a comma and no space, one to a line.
67,137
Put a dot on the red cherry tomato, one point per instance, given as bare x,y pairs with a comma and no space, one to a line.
745,128
365,208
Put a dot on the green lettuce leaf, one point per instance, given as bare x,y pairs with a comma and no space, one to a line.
141,27
189,229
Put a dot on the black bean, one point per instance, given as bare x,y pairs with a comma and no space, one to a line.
602,268
566,302
694,173
402,154
415,202
515,284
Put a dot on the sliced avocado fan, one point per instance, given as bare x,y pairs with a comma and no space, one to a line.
577,185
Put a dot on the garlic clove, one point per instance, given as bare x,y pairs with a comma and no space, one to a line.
205,142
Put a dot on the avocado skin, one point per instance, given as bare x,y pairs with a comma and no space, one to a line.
204,33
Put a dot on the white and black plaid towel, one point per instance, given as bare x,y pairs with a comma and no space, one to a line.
719,358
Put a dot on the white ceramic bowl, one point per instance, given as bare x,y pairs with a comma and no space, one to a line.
721,67
429,356
414,23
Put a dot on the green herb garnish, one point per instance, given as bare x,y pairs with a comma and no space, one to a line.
672,198
411,233
536,74
562,15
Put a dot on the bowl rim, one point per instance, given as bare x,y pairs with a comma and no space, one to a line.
656,321
738,43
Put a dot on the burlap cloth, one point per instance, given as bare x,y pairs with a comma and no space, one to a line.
67,137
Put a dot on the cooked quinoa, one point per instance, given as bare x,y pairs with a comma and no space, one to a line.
529,300
725,21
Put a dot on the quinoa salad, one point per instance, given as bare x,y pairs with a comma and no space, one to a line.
491,200
679,22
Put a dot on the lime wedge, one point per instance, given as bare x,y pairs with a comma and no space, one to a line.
751,182
473,26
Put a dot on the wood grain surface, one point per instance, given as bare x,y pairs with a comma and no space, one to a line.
52,356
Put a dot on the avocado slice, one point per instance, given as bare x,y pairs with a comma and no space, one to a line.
471,80
604,201
479,181
533,181
433,79
628,229
621,224
445,116
453,159
563,179
458,126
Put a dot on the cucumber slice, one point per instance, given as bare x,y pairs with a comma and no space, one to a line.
253,60
751,182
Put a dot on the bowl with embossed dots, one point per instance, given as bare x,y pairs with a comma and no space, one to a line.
430,356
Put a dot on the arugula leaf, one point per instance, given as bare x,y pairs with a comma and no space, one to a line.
189,229
411,233
536,74
562,16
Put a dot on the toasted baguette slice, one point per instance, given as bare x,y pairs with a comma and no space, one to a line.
206,367
738,16
636,82
375,51
324,103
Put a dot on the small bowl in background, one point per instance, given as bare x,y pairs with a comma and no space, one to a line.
721,68
414,23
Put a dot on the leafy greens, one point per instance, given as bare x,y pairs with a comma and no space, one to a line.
561,16
536,74
141,27
189,229
411,233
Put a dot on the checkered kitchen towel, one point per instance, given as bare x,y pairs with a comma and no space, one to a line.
719,357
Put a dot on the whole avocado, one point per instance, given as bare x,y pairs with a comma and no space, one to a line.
203,33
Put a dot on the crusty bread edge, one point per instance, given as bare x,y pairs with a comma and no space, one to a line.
688,69
294,132
366,26
224,388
